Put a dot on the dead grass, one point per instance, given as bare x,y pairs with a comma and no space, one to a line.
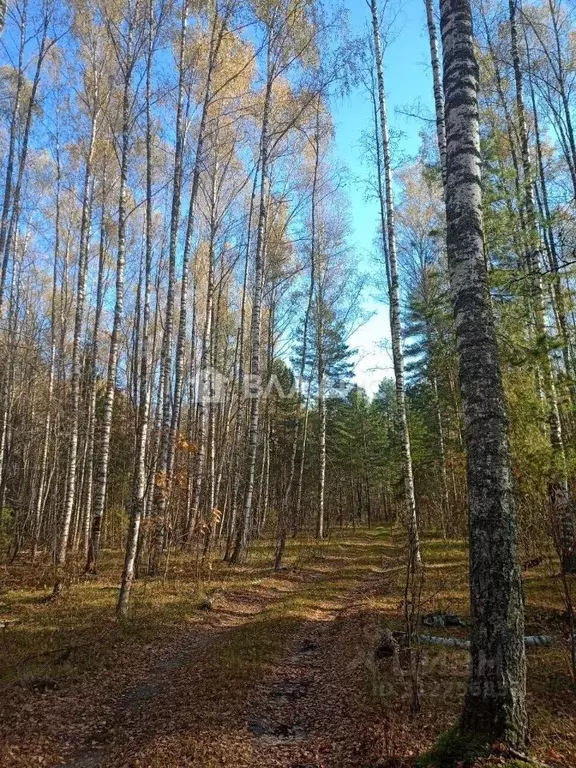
76,643
551,696
76,632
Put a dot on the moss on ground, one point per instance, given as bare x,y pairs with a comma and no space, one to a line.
453,748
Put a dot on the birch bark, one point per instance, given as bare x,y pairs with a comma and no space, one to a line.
494,707
394,300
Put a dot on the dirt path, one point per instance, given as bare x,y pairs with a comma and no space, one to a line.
313,711
268,677
301,708
282,672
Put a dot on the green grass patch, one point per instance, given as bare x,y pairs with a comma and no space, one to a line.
453,748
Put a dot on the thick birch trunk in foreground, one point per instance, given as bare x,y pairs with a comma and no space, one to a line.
494,707
394,300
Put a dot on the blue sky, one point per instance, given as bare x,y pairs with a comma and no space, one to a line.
407,79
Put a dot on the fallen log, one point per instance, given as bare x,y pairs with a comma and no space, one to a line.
456,642
5,623
450,642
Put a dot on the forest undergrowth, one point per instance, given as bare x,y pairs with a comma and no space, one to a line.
251,667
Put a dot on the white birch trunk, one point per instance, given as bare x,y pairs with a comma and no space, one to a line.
85,228
103,460
139,480
394,300
246,520
437,82
494,708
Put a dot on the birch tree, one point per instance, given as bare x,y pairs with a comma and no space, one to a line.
394,295
127,48
494,708
85,228
437,83
559,491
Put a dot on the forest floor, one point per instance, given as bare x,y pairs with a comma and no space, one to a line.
282,670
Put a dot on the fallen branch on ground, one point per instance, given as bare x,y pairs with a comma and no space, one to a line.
456,642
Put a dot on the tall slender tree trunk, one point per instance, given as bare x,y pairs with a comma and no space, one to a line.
562,85
74,430
103,460
92,379
227,457
10,158
161,489
394,300
283,521
8,394
42,480
559,490
558,292
445,503
437,82
321,437
204,385
298,510
494,708
139,480
246,521
239,426
441,140
7,235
